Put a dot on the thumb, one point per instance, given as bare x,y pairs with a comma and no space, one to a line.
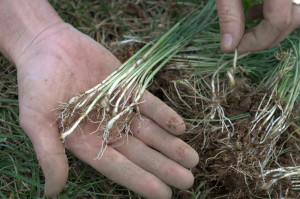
48,148
232,23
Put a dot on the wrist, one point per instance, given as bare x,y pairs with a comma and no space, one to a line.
21,23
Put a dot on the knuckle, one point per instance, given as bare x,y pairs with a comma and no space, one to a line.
228,16
181,150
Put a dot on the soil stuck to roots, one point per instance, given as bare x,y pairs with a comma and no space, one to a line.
233,159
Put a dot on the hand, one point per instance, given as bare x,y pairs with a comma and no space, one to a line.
281,17
62,62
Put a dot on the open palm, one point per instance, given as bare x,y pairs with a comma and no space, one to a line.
62,62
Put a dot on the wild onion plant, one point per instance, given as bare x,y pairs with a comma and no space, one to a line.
278,108
118,96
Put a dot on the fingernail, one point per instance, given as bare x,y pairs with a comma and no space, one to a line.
226,42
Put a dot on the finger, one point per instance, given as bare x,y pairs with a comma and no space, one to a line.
154,162
48,148
163,115
232,23
255,12
154,136
294,24
116,166
277,19
295,16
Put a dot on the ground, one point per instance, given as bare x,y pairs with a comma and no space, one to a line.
225,169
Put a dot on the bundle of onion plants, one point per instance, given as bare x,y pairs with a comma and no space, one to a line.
110,98
239,109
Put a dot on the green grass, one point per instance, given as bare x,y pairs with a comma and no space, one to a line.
19,170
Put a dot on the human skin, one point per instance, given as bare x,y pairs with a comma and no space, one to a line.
54,62
280,18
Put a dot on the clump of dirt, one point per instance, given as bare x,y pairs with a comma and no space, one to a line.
233,158
125,52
